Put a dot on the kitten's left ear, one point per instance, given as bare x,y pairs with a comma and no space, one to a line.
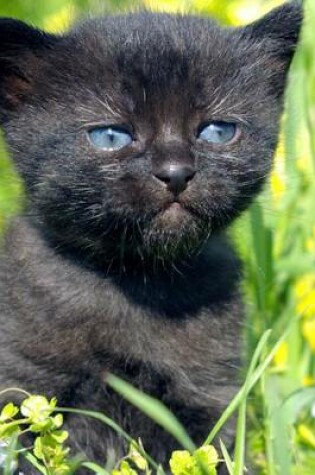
22,52
279,31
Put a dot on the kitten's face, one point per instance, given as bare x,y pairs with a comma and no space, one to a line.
147,132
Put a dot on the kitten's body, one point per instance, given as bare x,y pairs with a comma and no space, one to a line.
111,270
154,331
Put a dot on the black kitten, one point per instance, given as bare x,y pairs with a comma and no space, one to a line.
139,138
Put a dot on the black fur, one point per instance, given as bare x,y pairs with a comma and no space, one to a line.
102,274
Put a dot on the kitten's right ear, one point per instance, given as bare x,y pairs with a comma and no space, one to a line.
279,32
22,51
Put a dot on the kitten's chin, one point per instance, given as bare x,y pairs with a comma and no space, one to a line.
174,233
173,215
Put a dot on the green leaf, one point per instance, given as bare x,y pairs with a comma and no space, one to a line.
124,469
206,459
7,430
58,420
137,458
38,449
297,401
43,426
8,412
60,436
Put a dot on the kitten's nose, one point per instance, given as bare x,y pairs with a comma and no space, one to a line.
176,177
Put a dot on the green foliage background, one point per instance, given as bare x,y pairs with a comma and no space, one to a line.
276,237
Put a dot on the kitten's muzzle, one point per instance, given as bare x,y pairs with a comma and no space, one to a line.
175,176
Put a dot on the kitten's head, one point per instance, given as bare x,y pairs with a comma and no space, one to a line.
144,132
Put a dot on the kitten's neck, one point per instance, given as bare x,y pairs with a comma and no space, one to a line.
115,257
210,277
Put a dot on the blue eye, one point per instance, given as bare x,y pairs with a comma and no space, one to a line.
110,138
218,132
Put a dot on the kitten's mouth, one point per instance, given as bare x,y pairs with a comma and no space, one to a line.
174,210
180,209
174,231
174,207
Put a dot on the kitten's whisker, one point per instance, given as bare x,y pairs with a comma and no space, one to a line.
106,105
110,165
221,107
109,170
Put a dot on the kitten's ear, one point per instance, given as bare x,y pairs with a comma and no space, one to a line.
279,30
22,51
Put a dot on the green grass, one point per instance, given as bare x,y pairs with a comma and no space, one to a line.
276,239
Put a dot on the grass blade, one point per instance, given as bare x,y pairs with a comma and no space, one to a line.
33,460
239,455
251,379
227,458
154,409
95,468
10,455
277,423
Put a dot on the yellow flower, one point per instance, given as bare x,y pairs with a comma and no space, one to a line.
305,295
306,435
277,181
278,186
304,158
280,358
310,243
203,460
308,381
308,331
37,408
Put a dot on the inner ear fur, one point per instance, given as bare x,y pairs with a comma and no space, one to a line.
22,49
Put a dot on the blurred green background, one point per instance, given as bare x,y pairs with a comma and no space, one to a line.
276,237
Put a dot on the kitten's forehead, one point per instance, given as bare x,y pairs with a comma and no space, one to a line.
153,46
146,54
147,30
